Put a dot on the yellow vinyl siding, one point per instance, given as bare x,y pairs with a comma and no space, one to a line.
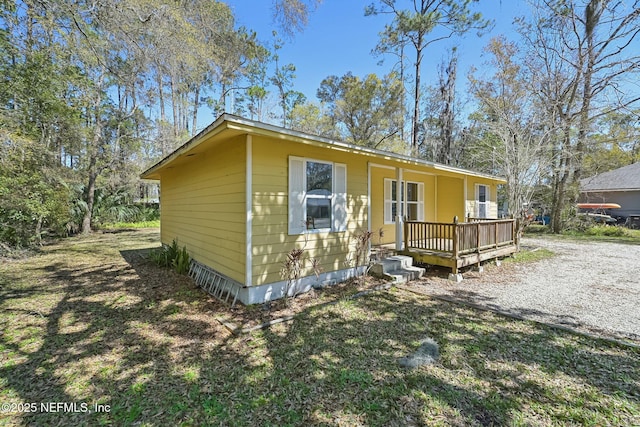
270,239
450,199
378,175
204,199
203,206
471,197
429,192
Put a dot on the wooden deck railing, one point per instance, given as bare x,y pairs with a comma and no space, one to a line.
460,238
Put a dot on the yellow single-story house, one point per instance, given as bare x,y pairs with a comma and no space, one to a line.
241,194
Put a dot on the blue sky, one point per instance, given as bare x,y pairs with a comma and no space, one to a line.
339,38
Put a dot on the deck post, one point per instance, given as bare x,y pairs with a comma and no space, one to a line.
406,236
455,239
451,244
455,275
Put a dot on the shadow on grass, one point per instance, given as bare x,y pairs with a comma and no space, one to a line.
96,334
490,302
145,342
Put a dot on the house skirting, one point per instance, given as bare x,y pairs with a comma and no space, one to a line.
231,291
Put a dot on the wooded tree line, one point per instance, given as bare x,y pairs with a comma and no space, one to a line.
94,91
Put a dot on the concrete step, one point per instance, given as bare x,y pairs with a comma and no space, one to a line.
405,275
391,263
398,268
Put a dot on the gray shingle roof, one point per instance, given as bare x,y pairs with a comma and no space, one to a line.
623,179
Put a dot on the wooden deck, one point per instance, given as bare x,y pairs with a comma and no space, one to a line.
457,245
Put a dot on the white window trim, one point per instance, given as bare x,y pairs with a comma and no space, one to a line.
389,183
486,203
298,196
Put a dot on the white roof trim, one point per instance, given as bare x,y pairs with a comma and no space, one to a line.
232,119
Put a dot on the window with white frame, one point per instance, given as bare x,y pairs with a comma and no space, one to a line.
317,196
482,201
411,200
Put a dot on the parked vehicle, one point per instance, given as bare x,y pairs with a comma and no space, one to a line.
633,221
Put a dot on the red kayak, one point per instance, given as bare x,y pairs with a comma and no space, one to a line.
598,205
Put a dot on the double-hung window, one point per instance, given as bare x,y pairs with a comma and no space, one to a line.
317,196
482,201
411,201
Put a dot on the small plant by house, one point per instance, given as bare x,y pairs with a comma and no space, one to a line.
172,256
293,266
382,252
359,258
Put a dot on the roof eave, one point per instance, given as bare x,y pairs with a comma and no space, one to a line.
608,190
271,129
211,130
227,121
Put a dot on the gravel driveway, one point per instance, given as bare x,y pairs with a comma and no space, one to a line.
592,286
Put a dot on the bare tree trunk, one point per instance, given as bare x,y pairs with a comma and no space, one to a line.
196,99
38,231
447,90
592,17
90,197
161,95
93,152
404,95
416,94
563,174
92,175
184,107
175,107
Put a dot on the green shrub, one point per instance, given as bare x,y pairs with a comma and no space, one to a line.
537,229
110,207
606,230
113,206
577,223
139,224
181,262
171,256
33,196
148,213
599,230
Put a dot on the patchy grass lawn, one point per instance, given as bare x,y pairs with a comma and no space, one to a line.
527,255
126,225
596,233
90,321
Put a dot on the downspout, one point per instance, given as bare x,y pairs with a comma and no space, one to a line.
399,211
435,198
369,204
249,213
466,199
